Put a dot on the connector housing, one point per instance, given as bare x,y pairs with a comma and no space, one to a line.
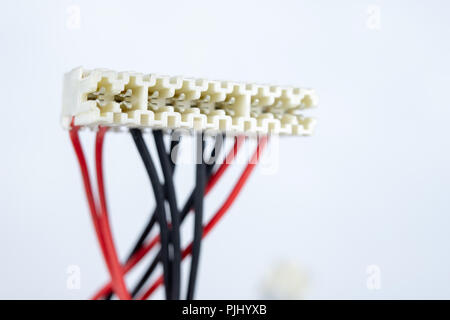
130,99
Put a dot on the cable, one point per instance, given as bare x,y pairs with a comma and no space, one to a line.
159,197
146,275
185,210
214,178
239,140
223,209
137,247
189,204
142,252
198,218
74,138
174,213
118,287
116,268
148,228
144,234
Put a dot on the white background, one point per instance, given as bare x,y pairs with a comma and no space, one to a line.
371,187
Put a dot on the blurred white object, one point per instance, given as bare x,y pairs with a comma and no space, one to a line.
286,280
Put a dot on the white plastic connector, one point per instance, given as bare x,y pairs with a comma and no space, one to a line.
105,97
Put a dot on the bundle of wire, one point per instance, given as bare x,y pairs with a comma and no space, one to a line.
170,254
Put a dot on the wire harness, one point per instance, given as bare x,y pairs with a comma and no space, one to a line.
105,100
131,99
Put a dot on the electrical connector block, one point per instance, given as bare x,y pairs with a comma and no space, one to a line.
130,99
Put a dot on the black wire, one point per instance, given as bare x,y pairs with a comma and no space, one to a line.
148,228
209,169
174,214
160,205
198,218
146,275
183,214
187,207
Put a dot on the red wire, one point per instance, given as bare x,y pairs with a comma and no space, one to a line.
223,167
141,253
106,289
88,188
96,219
115,267
221,212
